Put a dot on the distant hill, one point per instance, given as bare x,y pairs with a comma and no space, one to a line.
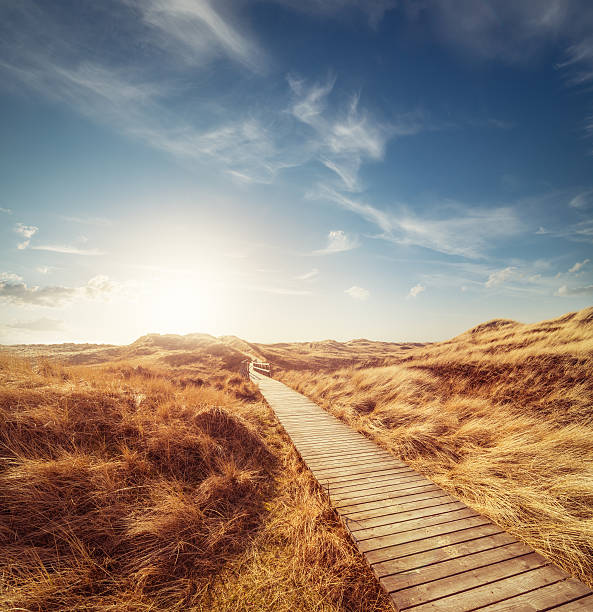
227,352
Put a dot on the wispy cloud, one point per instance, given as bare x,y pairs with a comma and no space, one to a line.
466,230
44,269
583,200
579,61
578,70
314,273
338,241
500,276
358,293
14,290
577,232
565,291
415,291
136,98
578,266
27,232
67,249
200,30
6,211
342,139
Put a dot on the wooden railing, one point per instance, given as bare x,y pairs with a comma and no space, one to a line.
261,367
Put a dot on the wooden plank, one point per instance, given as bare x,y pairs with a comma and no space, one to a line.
420,562
344,499
406,516
461,574
426,534
424,521
583,604
418,500
428,550
342,461
389,553
391,493
388,501
364,463
494,592
344,482
351,476
355,450
364,468
371,481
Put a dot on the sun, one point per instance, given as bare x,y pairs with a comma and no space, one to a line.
179,309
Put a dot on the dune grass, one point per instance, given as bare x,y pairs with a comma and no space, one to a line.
500,416
128,488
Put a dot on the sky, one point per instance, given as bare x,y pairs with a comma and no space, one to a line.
289,170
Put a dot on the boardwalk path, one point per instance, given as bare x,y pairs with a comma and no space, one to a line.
428,550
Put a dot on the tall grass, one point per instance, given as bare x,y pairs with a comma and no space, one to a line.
500,416
127,488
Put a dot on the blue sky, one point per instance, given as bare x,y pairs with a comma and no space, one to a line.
286,170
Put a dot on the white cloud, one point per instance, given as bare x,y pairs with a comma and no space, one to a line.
338,241
583,200
310,103
345,138
500,276
27,232
14,290
467,231
98,286
568,291
541,231
67,249
6,211
314,273
245,149
198,30
44,269
135,99
578,265
358,293
416,290
579,58
10,277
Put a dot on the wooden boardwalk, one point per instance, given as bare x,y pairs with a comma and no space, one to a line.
428,550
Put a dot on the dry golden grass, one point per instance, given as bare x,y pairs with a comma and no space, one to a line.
501,416
124,487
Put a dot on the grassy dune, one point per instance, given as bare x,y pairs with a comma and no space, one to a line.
153,477
501,416
126,487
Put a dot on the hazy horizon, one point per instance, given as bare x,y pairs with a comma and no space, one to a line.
285,171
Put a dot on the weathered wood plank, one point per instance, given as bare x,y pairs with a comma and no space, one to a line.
405,526
494,593
420,562
407,516
468,578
